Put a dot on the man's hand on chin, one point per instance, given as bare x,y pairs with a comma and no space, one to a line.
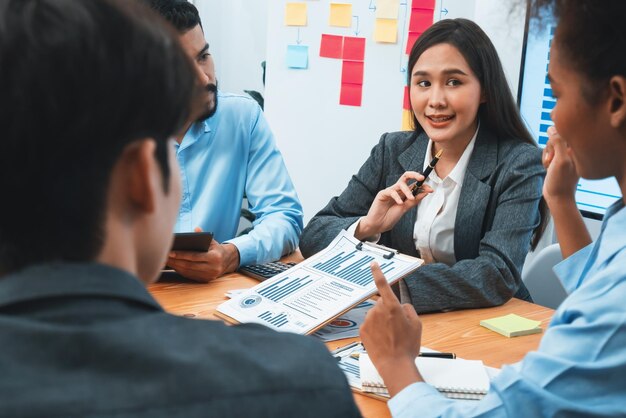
205,266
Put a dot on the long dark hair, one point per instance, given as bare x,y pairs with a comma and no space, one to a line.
498,113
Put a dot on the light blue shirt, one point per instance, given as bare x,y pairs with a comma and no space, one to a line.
579,369
231,153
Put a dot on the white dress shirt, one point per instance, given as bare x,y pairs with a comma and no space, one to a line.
434,224
433,233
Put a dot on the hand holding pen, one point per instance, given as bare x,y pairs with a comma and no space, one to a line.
415,187
392,203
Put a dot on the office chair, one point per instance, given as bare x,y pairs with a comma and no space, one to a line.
246,219
543,285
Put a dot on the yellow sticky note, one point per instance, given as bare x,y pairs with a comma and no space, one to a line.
295,14
386,30
407,120
387,9
512,325
341,14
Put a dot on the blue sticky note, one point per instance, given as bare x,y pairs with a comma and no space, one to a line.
298,56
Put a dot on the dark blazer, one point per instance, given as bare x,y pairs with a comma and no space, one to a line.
497,213
88,340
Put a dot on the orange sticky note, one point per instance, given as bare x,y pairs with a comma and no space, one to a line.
295,14
407,120
386,30
387,9
340,15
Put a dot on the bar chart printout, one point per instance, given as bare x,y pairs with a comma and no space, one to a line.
321,288
277,320
284,287
353,266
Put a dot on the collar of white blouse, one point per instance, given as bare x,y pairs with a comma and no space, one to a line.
433,232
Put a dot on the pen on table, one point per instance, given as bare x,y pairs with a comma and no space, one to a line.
438,355
344,348
415,187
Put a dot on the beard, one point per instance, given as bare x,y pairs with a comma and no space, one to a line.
211,89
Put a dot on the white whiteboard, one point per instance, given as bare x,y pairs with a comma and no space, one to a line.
325,143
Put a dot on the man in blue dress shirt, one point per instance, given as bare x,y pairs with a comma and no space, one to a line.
227,151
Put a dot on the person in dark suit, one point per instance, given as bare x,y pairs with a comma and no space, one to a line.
472,223
92,90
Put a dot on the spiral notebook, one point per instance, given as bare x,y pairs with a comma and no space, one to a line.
457,379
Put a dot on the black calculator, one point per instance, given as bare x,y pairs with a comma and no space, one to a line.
265,271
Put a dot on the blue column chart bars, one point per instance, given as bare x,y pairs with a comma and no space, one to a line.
284,287
273,319
548,101
353,267
350,368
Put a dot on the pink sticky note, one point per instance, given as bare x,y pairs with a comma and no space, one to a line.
410,41
353,48
351,94
407,103
352,72
423,4
421,19
331,46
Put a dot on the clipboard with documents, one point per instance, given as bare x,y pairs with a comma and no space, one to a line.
311,294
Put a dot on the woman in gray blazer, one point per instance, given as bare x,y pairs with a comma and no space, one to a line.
480,208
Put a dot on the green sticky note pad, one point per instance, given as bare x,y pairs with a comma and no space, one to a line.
512,325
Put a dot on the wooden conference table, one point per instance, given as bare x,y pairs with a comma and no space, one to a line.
456,331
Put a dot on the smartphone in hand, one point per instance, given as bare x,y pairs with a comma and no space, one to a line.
192,241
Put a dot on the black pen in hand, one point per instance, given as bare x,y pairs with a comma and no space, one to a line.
417,186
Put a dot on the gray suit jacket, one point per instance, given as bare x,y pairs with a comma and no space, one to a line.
497,213
87,340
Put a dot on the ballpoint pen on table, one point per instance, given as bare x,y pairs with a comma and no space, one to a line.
438,355
450,356
336,353
416,187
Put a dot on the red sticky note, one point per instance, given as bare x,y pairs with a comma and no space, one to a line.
352,72
421,19
407,103
410,41
423,4
351,94
353,48
331,46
